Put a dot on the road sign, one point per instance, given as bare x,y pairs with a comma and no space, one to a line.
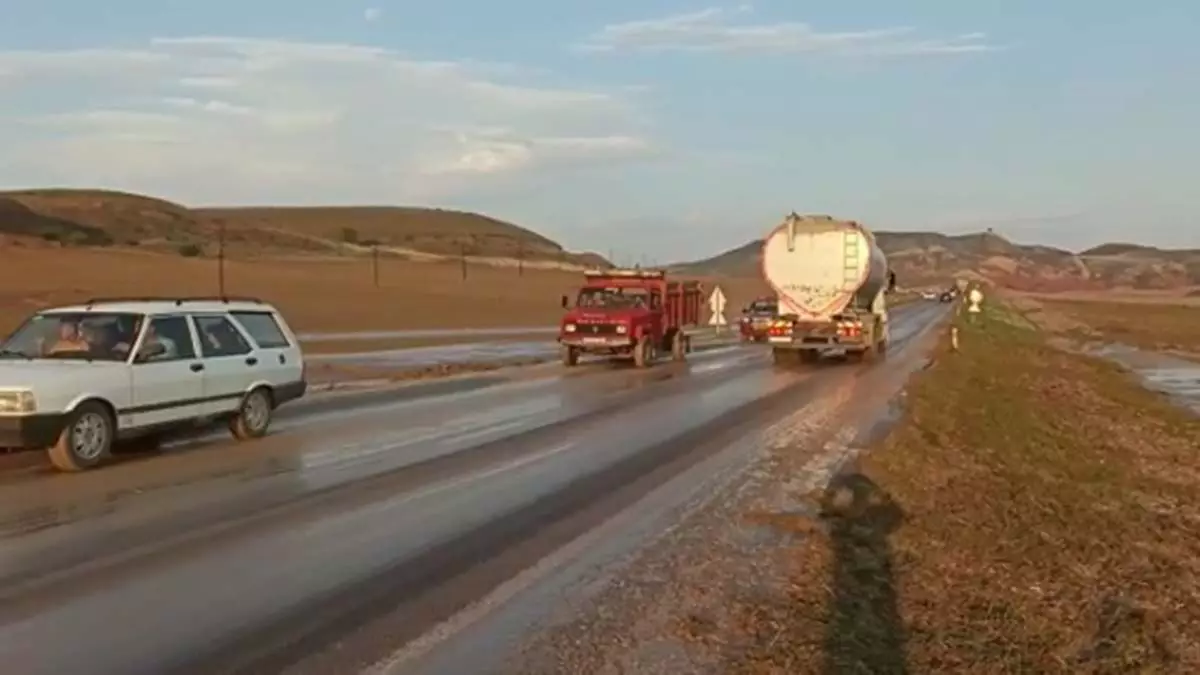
716,305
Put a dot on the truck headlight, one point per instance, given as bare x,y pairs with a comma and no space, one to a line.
569,328
622,330
17,402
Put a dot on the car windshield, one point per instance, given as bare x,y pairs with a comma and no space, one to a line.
762,307
613,298
89,336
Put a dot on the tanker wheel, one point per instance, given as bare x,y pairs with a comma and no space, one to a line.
570,355
785,357
808,356
643,353
679,347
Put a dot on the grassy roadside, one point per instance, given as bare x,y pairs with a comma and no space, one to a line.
1034,512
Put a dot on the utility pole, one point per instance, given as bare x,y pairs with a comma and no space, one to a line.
375,264
221,258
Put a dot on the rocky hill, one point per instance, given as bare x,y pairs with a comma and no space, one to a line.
920,258
107,218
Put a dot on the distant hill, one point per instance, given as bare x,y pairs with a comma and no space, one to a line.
109,218
920,258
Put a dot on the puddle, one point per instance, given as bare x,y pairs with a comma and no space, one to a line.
1178,378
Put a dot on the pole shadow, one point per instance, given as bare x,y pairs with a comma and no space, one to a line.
864,631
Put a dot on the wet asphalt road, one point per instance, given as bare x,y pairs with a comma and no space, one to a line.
363,523
478,351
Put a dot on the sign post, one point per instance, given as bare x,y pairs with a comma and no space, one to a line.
716,306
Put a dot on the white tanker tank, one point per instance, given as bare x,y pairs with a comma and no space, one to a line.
831,279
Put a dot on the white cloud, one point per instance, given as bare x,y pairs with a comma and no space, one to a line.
719,30
372,14
222,119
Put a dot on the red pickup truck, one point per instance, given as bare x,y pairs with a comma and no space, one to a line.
629,313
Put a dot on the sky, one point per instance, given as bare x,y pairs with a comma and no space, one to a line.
656,129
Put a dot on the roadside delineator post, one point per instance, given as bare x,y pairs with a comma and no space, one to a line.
954,338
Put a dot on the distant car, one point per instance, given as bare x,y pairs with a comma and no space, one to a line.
75,380
947,296
929,295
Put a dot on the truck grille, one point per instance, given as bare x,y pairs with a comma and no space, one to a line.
596,329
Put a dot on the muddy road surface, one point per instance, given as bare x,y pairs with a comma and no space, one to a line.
383,535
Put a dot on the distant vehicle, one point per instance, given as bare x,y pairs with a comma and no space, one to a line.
76,380
948,296
757,318
929,295
832,280
629,313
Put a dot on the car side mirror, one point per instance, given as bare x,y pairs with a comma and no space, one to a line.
566,302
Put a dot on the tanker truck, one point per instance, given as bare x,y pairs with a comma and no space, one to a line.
832,281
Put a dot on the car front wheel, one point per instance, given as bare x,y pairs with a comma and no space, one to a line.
86,439
253,417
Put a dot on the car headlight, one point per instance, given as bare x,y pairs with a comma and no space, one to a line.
569,328
622,330
17,402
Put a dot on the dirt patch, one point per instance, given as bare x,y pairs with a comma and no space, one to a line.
1157,327
1035,511
356,346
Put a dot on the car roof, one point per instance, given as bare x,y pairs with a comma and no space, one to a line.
163,306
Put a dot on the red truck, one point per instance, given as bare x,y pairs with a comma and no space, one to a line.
629,313
757,318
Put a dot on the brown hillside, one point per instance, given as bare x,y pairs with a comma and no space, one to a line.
921,258
105,218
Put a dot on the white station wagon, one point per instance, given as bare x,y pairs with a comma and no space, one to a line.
75,380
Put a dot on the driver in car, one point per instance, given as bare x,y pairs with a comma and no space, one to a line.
70,339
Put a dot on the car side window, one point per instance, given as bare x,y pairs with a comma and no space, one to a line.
167,338
219,337
263,328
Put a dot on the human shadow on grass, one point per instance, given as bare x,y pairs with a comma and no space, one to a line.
865,633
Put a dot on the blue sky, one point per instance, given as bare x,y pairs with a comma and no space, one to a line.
673,129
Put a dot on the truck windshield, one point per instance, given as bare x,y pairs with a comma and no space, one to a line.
613,298
90,336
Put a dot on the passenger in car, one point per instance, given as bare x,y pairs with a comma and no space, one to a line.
154,340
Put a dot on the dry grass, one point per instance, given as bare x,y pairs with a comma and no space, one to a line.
316,295
1035,512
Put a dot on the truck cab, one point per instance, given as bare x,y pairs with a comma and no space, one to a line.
629,313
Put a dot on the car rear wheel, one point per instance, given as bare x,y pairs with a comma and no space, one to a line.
253,417
86,440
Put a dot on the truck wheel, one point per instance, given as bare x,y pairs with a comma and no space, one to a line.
679,347
570,355
86,440
643,354
808,356
785,357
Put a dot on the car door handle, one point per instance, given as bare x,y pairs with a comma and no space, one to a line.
197,367
252,361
